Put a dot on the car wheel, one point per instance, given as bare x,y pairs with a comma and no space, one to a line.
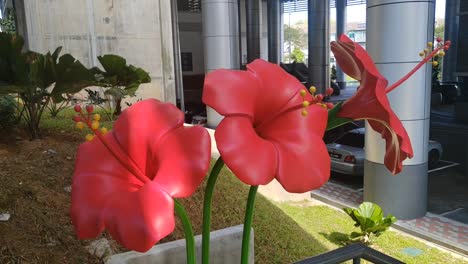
433,158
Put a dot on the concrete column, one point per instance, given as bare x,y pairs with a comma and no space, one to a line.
274,26
319,44
451,33
389,21
177,59
221,41
252,9
340,29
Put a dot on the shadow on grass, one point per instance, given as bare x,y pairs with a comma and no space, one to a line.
278,238
337,238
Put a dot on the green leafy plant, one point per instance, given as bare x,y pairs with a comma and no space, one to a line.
119,79
297,55
333,72
95,98
8,24
370,219
38,78
7,112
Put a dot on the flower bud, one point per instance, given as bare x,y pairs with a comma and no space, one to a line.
77,108
95,125
89,137
89,109
76,118
79,125
97,117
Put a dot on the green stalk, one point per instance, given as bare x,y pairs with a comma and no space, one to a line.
188,232
207,210
248,224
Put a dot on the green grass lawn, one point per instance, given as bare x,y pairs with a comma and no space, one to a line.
331,227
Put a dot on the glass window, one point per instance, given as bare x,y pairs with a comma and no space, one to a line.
352,139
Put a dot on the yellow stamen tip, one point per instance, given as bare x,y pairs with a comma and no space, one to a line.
104,130
89,137
429,44
304,112
312,89
435,63
305,104
303,93
426,50
95,125
97,117
79,125
441,53
421,54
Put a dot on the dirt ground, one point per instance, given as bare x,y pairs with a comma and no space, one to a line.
33,175
33,179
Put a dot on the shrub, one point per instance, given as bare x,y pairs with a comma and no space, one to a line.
7,112
370,219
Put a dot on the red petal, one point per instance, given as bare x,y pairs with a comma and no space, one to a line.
184,158
252,159
98,176
277,88
143,124
371,103
303,161
360,56
231,92
138,220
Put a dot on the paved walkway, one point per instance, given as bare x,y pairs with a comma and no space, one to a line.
432,227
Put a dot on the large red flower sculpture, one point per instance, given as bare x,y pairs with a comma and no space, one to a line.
263,134
370,101
125,180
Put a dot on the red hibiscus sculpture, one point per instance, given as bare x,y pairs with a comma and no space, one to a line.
263,135
370,101
125,180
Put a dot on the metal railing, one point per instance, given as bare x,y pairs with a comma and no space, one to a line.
354,252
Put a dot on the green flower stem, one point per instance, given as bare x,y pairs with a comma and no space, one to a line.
188,231
207,210
248,224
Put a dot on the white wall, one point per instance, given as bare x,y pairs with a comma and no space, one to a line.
140,31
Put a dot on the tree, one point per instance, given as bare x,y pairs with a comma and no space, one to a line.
439,31
294,37
297,55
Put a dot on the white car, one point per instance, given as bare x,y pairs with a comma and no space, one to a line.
347,153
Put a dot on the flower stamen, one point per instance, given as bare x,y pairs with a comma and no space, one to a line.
428,56
114,149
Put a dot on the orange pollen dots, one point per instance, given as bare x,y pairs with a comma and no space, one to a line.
432,53
316,99
90,120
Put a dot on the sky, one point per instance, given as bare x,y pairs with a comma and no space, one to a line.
356,13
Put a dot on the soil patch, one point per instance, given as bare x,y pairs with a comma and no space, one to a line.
33,176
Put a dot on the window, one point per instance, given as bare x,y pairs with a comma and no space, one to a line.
189,6
352,139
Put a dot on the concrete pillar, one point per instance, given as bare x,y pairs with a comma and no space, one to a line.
451,33
340,29
403,195
319,44
274,26
179,85
252,9
221,41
